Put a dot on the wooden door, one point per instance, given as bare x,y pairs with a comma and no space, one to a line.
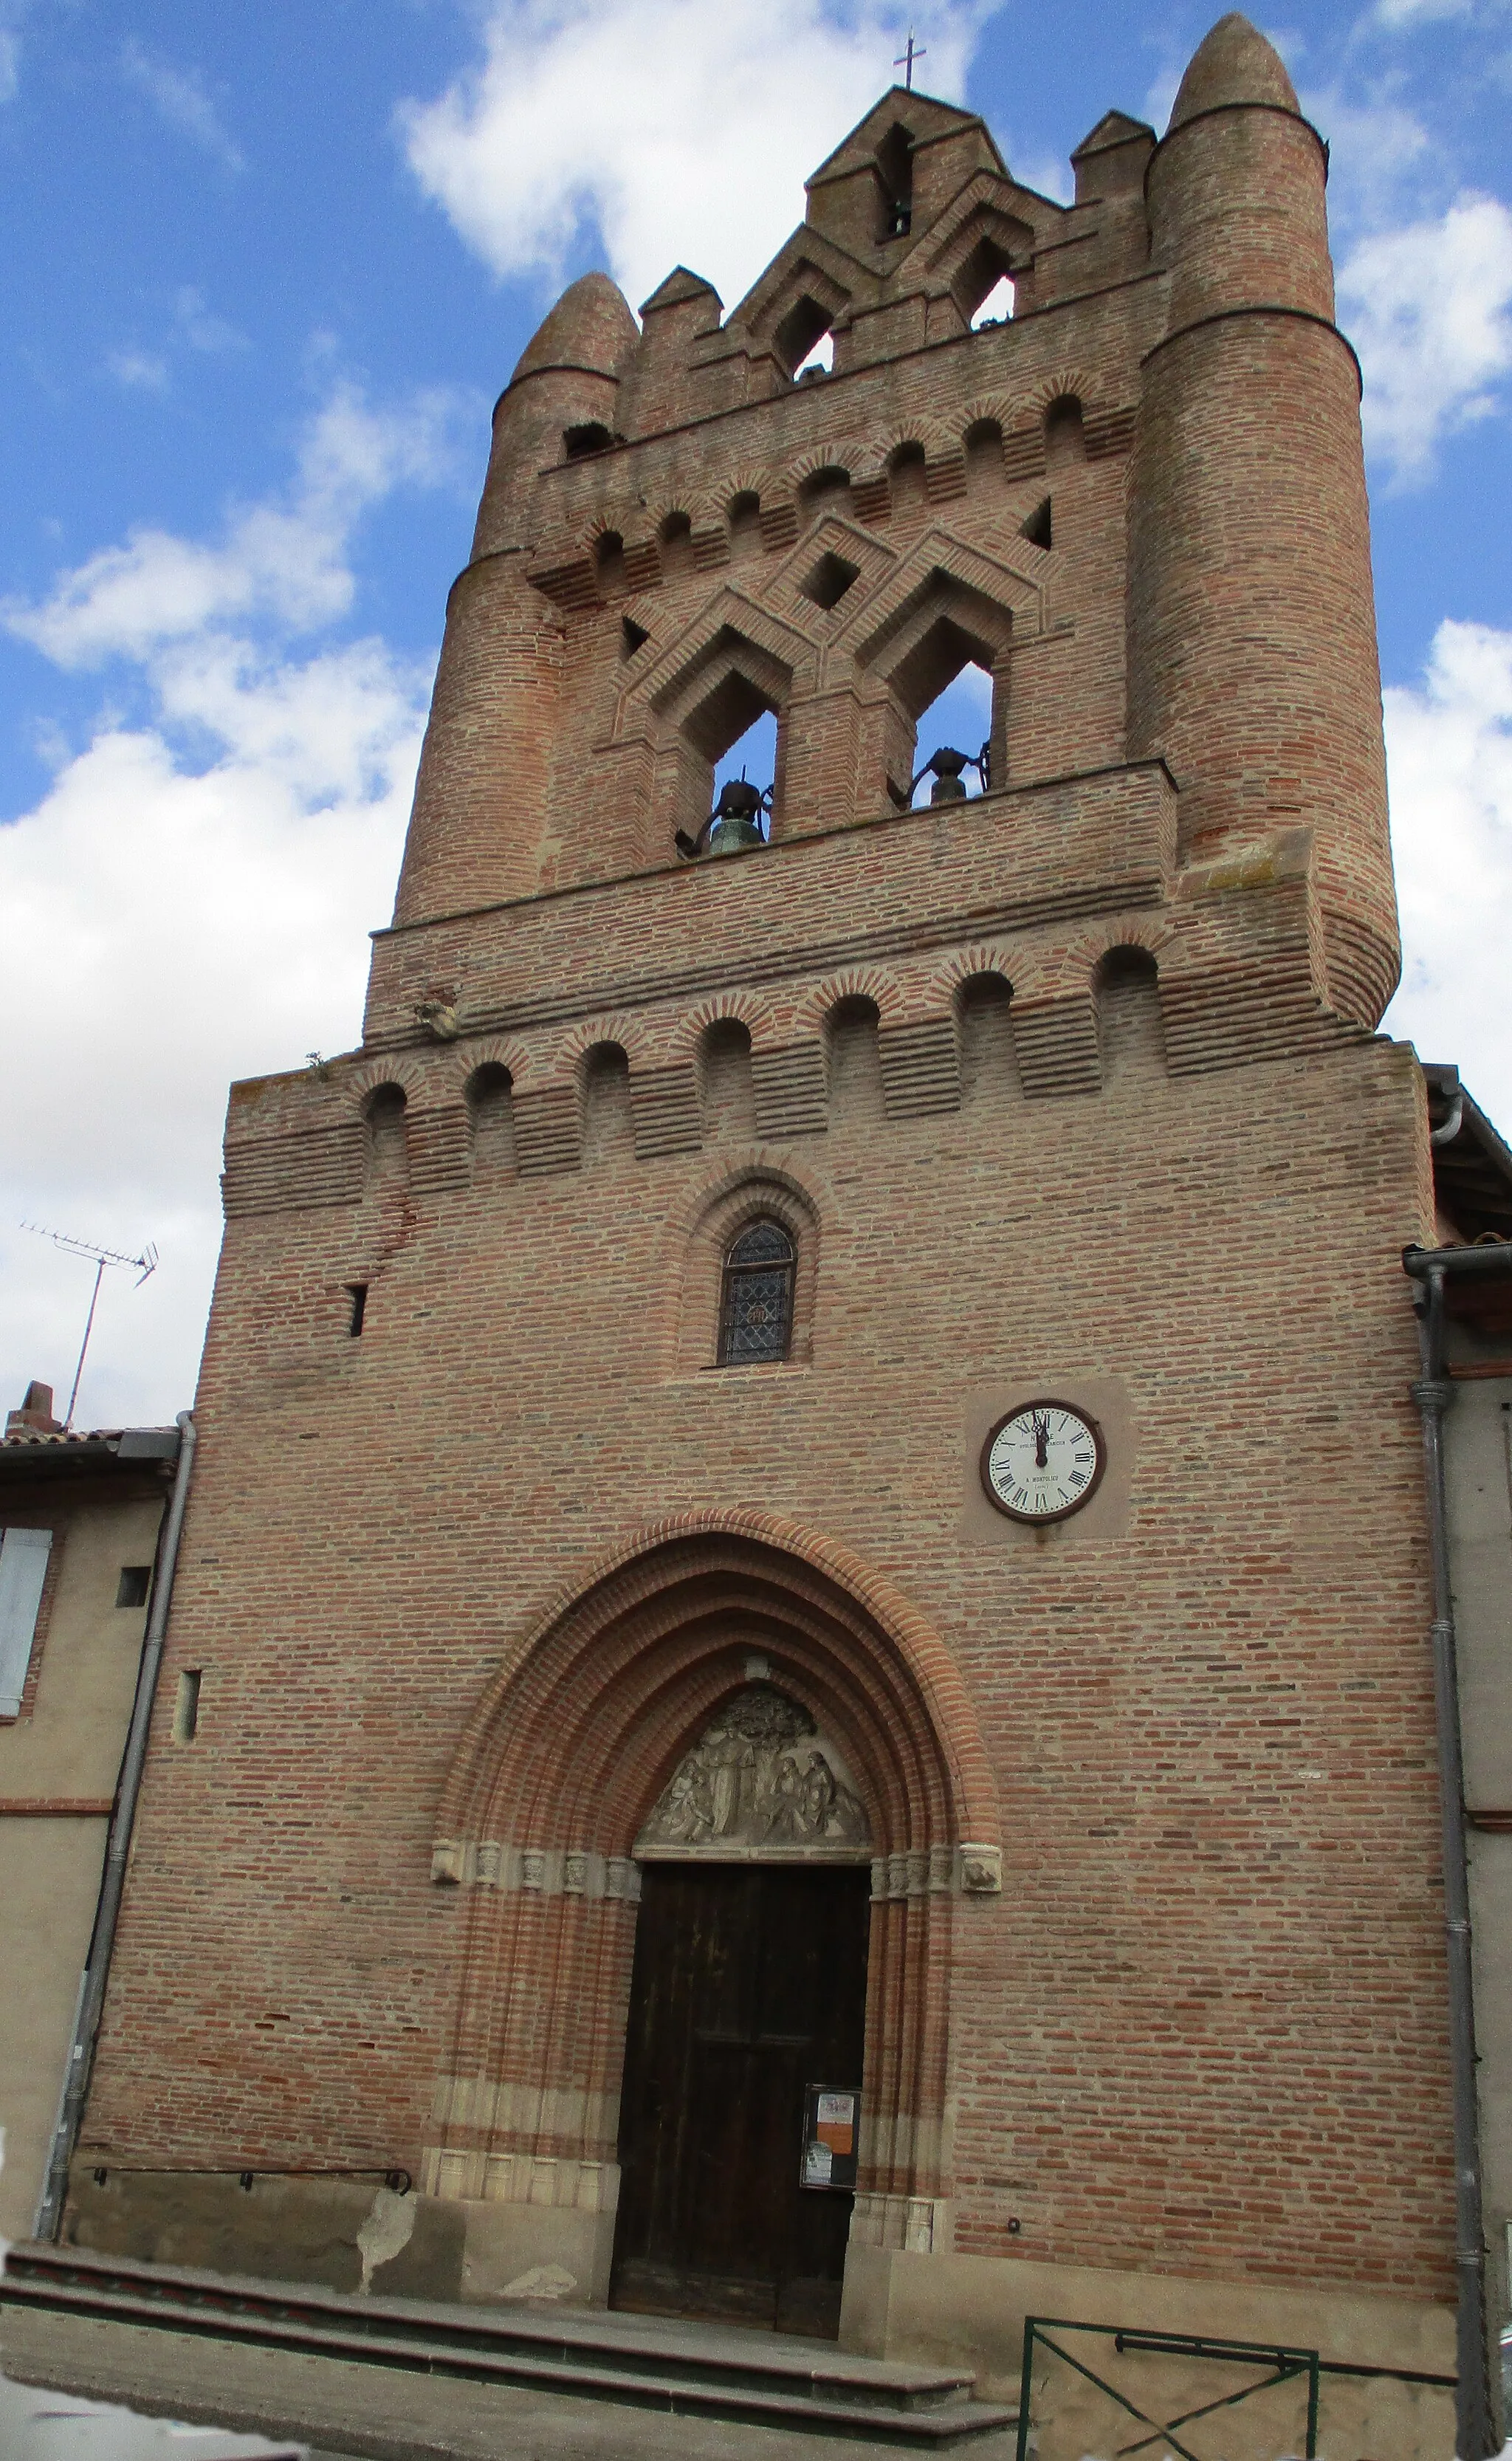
750,1985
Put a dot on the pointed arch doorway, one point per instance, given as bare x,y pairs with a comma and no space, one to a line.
589,1808
748,1999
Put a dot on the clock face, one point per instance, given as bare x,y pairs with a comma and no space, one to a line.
1043,1460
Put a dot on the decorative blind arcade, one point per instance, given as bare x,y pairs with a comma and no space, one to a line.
755,1318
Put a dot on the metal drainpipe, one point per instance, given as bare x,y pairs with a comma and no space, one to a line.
1475,2437
102,1940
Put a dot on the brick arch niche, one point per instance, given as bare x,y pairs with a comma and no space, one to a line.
556,1774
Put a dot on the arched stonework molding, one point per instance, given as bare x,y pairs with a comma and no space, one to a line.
1064,384
1079,962
590,1033
1000,407
936,439
490,1051
748,1194
871,983
749,478
943,989
745,1007
390,1069
556,1771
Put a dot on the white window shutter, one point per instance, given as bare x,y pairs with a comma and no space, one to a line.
23,1570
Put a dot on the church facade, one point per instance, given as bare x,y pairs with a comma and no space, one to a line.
805,1585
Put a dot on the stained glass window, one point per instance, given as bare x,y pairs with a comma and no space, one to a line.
757,1316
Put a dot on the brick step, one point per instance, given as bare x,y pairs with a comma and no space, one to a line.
677,2367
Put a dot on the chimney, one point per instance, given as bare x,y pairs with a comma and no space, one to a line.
35,1416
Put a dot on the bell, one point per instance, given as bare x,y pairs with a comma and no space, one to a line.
947,766
736,824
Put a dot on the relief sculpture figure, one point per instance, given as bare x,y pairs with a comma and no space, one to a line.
759,1776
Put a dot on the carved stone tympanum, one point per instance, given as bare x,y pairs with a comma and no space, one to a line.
760,1781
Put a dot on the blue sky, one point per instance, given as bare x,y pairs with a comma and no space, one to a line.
268,268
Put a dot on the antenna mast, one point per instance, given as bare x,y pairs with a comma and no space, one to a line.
142,1266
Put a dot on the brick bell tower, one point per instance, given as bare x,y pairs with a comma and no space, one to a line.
851,1347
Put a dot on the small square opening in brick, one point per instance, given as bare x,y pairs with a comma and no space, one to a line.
830,579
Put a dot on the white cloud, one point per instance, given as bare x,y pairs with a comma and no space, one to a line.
1429,309
179,98
190,900
284,560
139,371
202,328
1449,751
671,129
12,15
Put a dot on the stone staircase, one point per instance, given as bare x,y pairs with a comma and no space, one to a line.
650,2362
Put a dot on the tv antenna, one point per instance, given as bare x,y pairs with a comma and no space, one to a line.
142,1266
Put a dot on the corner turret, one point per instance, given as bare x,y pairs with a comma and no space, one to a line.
1251,628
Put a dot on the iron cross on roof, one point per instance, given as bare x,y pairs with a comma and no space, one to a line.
907,59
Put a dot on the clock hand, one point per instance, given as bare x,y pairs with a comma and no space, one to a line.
1041,1441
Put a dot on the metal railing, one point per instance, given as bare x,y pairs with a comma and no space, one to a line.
1282,2365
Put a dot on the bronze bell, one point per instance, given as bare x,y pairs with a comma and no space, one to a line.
736,819
947,766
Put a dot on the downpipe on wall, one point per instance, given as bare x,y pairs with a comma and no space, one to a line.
1476,2439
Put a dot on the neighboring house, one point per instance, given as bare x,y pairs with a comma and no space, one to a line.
1466,1394
81,1516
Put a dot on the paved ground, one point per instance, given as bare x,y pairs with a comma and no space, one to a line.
347,2412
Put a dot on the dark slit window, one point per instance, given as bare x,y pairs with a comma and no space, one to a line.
757,1315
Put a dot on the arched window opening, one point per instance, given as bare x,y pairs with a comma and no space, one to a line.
799,333
745,526
819,361
824,491
592,437
1131,1033
959,719
609,1129
756,1314
895,179
854,1063
984,458
387,1151
491,1117
907,480
985,1038
1063,437
725,1085
676,543
608,558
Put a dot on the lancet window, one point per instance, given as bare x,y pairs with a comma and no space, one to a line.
755,1316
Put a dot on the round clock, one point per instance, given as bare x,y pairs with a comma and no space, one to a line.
1043,1460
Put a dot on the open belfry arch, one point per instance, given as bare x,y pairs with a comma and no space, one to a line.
803,1478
